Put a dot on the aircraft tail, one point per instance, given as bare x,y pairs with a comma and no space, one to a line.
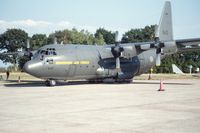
164,31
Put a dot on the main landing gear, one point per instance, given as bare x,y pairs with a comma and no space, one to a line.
50,82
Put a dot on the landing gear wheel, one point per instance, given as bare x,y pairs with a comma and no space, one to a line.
50,83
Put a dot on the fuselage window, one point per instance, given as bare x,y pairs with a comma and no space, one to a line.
50,61
51,51
47,52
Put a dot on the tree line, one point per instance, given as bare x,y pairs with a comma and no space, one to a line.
14,39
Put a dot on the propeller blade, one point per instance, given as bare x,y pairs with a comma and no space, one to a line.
28,44
158,60
156,31
118,63
117,51
55,40
116,37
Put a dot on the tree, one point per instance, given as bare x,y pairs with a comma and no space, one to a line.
75,37
181,59
38,40
21,61
139,35
108,36
148,33
10,41
99,40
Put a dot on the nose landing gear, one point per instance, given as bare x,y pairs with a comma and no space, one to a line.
50,82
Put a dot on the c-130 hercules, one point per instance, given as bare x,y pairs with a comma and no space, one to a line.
96,63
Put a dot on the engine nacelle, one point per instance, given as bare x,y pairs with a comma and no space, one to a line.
129,52
170,47
113,73
147,60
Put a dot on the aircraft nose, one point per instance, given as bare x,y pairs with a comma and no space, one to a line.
32,67
26,67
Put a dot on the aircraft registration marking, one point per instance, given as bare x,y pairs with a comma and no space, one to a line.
72,62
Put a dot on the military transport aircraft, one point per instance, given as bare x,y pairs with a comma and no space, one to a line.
96,63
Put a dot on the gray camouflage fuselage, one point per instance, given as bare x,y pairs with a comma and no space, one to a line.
92,62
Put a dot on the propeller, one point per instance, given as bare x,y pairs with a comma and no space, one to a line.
55,40
158,59
117,51
25,52
28,45
158,45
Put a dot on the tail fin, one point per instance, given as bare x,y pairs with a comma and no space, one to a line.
164,31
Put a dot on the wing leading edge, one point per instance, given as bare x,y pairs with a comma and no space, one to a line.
188,44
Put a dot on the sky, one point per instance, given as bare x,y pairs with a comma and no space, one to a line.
46,16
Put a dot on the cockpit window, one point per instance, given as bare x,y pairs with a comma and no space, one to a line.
42,52
48,51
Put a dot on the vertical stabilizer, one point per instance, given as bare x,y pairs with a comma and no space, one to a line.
164,31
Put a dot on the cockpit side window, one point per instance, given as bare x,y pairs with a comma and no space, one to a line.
54,53
48,51
41,53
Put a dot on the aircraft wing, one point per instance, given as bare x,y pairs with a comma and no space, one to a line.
188,44
13,53
19,54
9,53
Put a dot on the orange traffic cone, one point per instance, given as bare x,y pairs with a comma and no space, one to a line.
19,80
161,86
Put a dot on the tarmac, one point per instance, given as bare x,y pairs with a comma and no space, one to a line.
79,107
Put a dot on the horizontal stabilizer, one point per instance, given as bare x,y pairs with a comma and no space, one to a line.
176,70
188,44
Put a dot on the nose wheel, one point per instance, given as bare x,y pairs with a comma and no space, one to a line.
50,83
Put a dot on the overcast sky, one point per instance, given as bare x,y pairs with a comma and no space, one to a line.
46,16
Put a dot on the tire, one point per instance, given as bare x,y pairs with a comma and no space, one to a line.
50,83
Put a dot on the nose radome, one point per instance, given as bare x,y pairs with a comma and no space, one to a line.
26,67
33,68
